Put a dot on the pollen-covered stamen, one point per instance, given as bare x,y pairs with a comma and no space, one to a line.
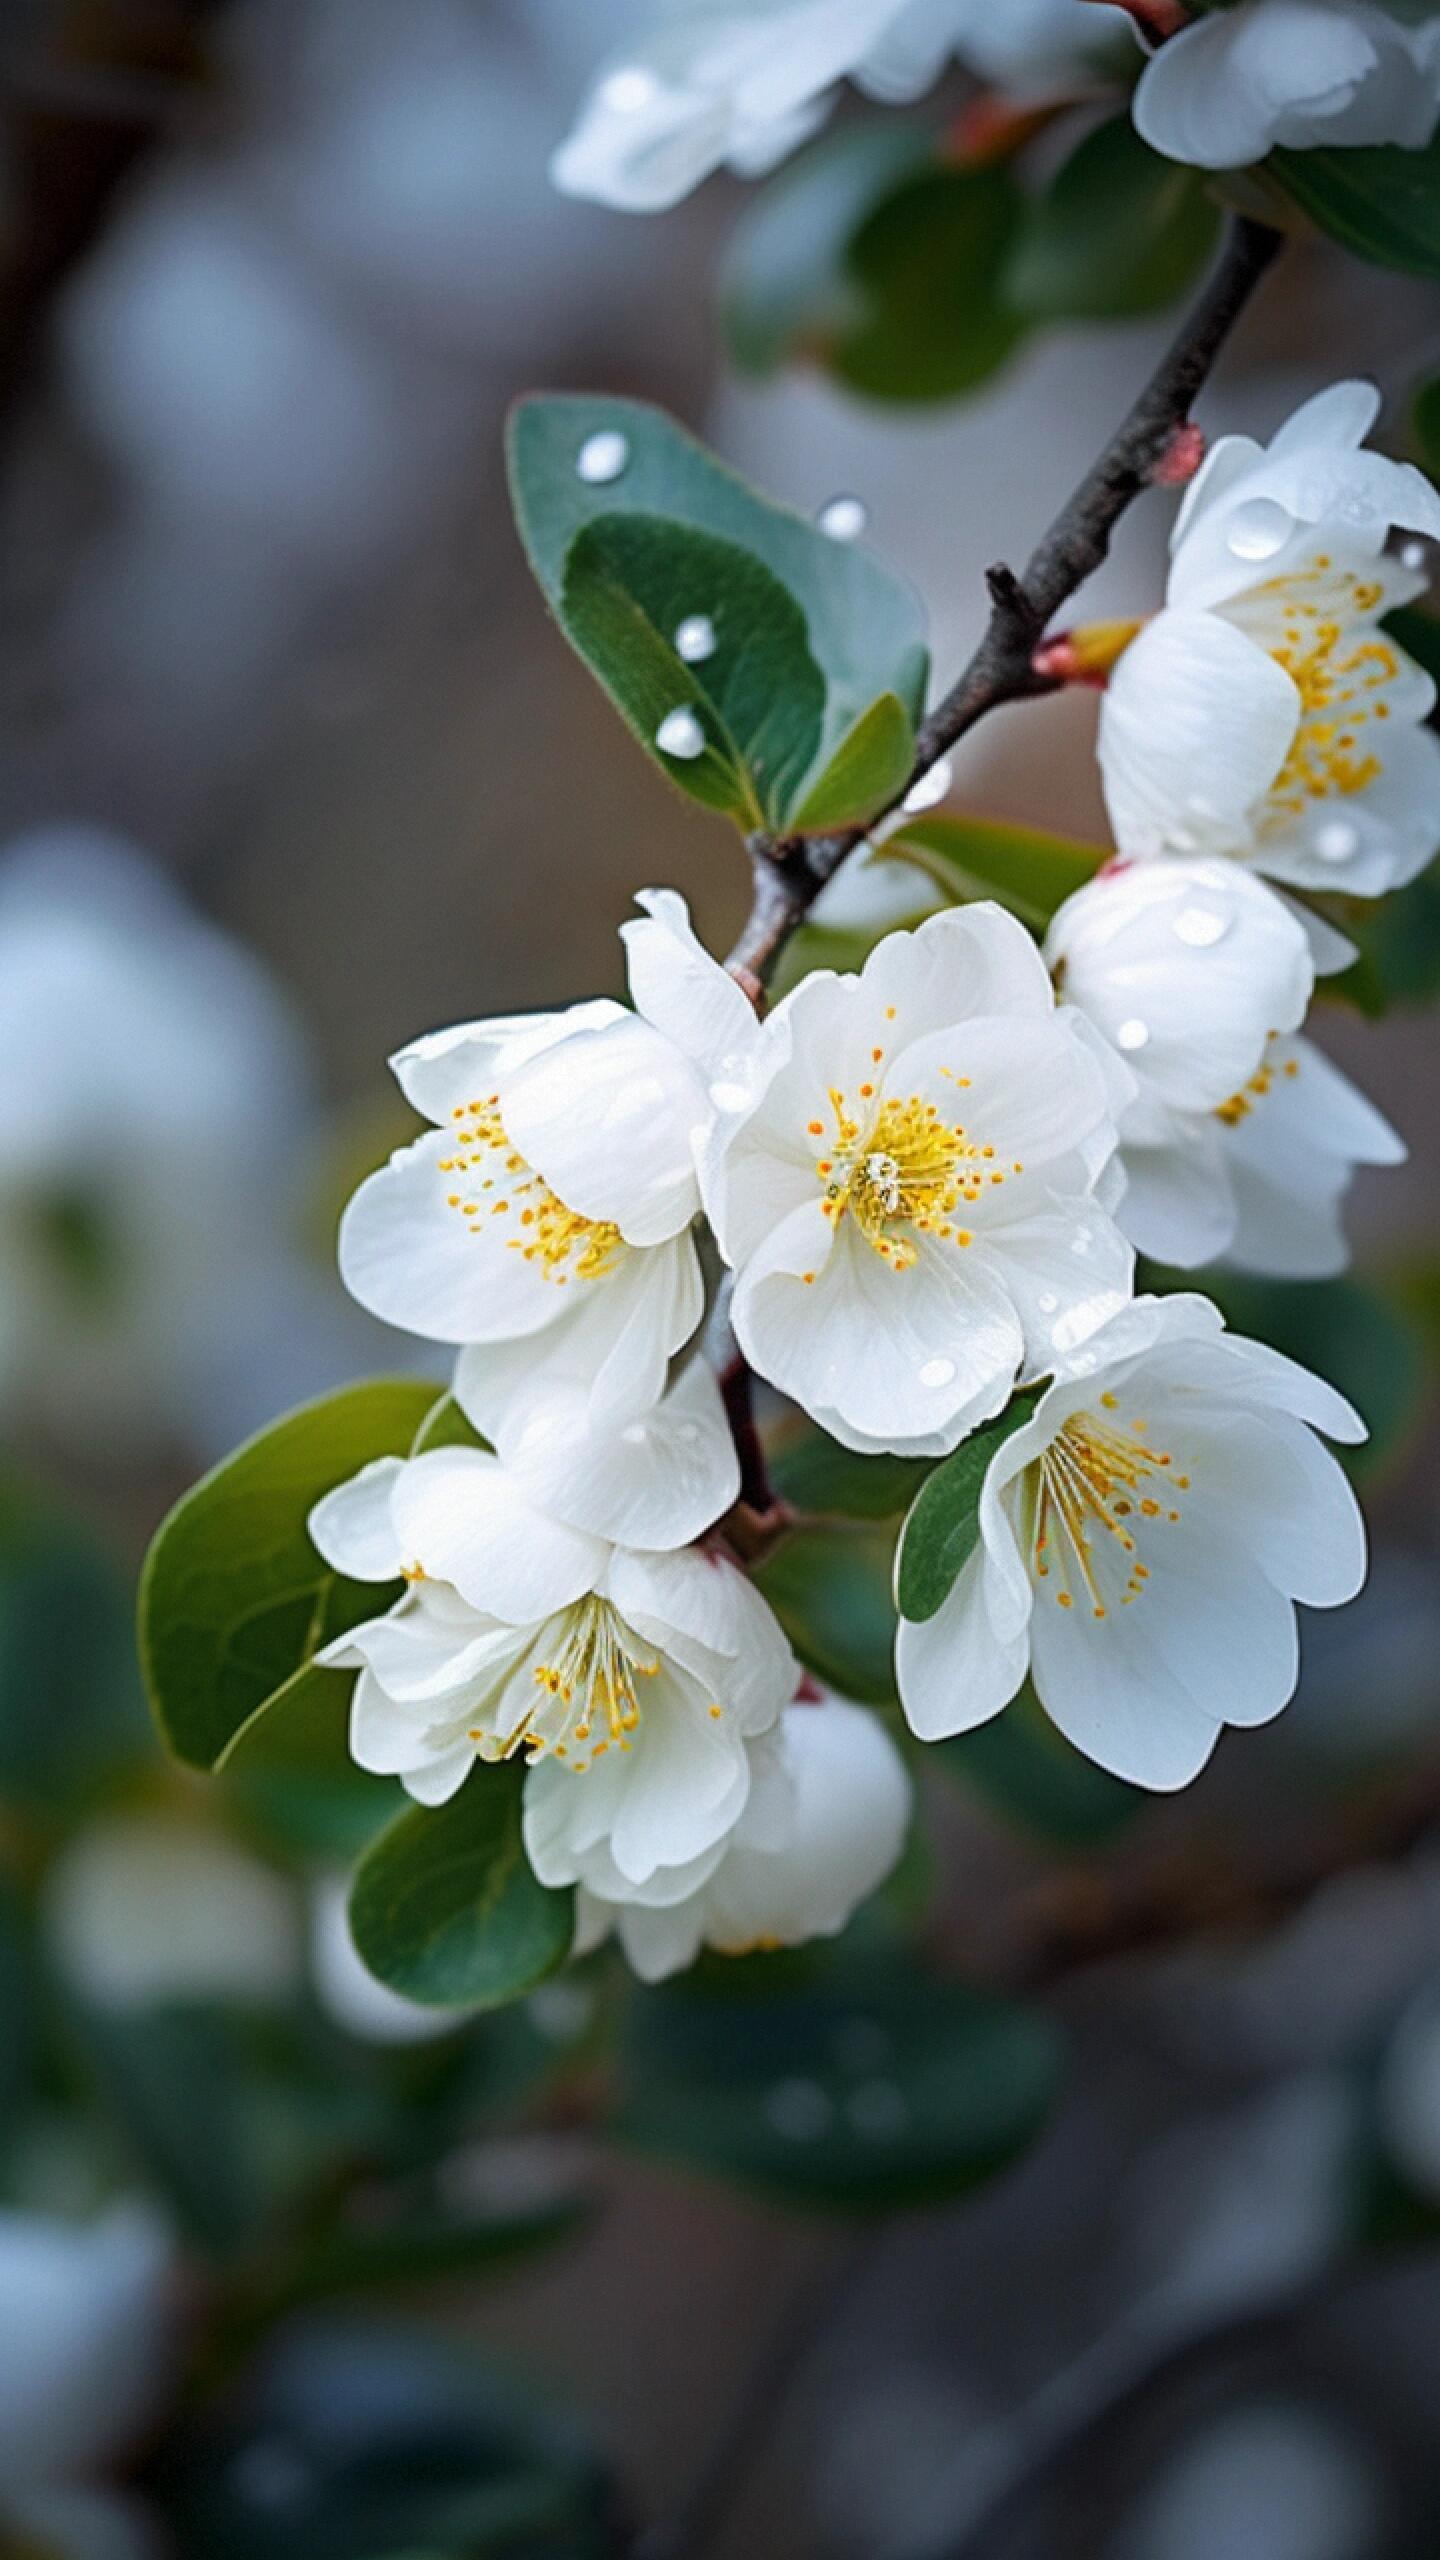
1241,1104
1342,666
588,1685
901,1170
562,1244
1090,1493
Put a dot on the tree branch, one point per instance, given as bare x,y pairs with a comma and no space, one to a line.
790,875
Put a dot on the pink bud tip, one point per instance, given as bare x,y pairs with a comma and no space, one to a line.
1181,458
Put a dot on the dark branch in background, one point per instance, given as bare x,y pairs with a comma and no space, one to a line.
790,875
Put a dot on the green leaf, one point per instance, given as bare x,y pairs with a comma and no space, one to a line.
759,697
785,287
830,1589
289,1773
1034,1777
1118,231
865,627
72,1712
928,266
1382,202
234,1598
868,771
814,1473
445,1907
943,1524
851,2080
1029,870
1417,629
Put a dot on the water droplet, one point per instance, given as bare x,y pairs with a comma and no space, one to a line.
1048,1303
862,2044
602,456
799,2109
1337,840
1413,555
727,1096
680,734
1200,927
1259,529
695,639
844,518
1133,1034
937,1373
628,89
877,2110
931,787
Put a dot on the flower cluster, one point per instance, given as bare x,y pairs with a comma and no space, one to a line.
926,1181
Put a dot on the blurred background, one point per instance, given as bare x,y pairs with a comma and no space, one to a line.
292,767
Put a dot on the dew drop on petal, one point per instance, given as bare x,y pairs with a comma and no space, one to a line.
695,639
931,787
628,89
877,2110
1048,1303
937,1373
799,2109
1201,927
1259,529
1337,840
843,518
680,734
1413,555
1133,1034
602,456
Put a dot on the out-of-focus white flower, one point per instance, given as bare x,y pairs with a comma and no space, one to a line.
639,1671
1265,713
346,1988
86,2343
1241,1140
1300,73
552,1203
825,1822
1143,1540
149,1907
909,1204
151,1091
741,82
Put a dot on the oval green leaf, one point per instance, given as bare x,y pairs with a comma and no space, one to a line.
943,1523
1117,232
1381,202
1027,869
446,1909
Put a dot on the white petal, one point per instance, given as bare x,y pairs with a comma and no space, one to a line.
1194,726
974,959
1290,1502
701,1608
411,1257
606,1118
1219,1625
953,1671
1179,1203
657,1481
444,1071
353,1527
1065,1271
849,1807
1218,94
684,992
1106,1688
435,1781
469,1522
618,1332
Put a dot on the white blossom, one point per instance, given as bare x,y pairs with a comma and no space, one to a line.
1300,73
87,2342
1265,713
828,1809
909,1202
1144,1537
741,82
553,1199
1241,1139
523,1632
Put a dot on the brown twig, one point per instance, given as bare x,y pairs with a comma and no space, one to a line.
789,875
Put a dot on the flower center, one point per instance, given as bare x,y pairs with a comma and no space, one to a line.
1241,1104
1341,666
563,1244
1098,1481
589,1695
900,1171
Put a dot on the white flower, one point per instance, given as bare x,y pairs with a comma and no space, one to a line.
1143,1540
743,81
1300,73
553,1201
147,1907
1240,1140
826,1819
152,1089
909,1206
1264,713
526,1633
86,2343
